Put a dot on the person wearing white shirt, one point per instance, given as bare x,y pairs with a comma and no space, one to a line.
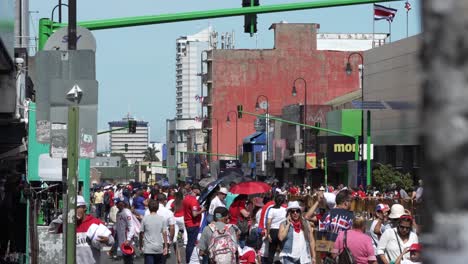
218,201
393,242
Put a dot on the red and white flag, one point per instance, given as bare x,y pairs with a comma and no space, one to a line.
383,12
407,6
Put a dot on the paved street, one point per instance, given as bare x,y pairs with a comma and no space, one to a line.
138,260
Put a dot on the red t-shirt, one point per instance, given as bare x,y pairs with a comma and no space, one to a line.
146,194
293,190
234,211
178,213
247,256
190,203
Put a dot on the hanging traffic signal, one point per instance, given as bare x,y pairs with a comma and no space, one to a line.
239,111
250,20
132,125
126,147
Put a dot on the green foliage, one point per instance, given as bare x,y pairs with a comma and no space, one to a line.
150,154
386,177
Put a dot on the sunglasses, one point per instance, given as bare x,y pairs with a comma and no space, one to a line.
405,227
295,211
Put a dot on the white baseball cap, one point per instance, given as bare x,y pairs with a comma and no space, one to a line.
80,201
223,190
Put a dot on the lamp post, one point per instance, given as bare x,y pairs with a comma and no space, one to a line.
228,120
294,93
267,120
349,71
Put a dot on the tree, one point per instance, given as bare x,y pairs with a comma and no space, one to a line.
150,154
386,177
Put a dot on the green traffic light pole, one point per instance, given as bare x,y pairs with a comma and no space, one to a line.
47,27
356,137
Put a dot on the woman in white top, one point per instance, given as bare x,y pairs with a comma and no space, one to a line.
297,237
276,215
394,241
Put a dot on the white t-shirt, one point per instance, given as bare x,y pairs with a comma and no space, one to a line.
299,249
257,217
375,238
164,212
277,215
215,203
388,244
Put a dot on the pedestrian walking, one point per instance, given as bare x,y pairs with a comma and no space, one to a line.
415,255
218,201
219,239
99,202
379,225
338,218
108,201
297,237
91,234
276,215
153,235
125,228
394,241
357,242
192,218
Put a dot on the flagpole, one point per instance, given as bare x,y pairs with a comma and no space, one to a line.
407,11
373,30
390,30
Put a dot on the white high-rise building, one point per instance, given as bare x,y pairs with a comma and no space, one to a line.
188,65
136,143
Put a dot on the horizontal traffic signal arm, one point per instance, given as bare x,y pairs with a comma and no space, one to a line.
186,16
208,154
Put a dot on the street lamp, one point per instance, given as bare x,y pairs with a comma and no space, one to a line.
349,71
228,120
267,121
294,93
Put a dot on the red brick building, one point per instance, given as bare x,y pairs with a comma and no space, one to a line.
240,76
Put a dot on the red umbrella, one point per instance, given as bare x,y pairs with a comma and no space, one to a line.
252,187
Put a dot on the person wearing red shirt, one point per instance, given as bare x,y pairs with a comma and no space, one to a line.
192,218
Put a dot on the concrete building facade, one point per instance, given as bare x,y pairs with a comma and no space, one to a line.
188,57
239,77
137,143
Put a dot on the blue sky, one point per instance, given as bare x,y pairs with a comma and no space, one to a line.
136,66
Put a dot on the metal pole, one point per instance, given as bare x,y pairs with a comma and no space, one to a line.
361,146
326,171
237,146
368,161
72,155
60,11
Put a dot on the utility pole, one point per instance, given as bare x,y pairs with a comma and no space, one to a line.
72,151
445,154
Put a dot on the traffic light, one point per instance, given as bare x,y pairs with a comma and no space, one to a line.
250,20
239,111
132,125
317,124
126,147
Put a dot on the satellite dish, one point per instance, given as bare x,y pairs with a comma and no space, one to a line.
59,40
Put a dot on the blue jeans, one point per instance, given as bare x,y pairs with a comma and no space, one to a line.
154,259
192,233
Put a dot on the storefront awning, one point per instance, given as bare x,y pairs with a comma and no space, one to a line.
257,138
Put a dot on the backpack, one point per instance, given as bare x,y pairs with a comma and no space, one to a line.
222,247
243,225
106,198
345,257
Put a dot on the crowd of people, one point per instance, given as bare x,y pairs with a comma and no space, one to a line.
291,224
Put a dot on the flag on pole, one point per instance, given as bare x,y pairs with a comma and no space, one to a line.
383,12
407,6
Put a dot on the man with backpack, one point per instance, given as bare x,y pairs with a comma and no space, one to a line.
219,239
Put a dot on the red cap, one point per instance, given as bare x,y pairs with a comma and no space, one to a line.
127,250
415,247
